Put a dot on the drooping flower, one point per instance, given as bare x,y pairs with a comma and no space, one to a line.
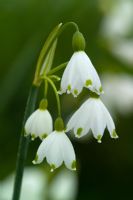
94,116
57,149
40,123
79,71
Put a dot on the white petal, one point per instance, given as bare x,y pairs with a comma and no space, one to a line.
67,75
54,154
109,122
72,121
68,152
80,121
30,121
45,124
44,147
86,113
39,123
94,76
98,122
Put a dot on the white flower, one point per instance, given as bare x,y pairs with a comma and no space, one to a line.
94,116
80,73
39,124
56,148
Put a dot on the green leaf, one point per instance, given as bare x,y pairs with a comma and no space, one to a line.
51,38
48,61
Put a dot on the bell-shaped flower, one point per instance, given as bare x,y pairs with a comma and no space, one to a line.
40,122
57,149
94,116
80,73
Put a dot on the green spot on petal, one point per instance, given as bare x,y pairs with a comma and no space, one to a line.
114,134
101,89
99,137
52,167
69,87
88,82
73,165
43,136
76,92
33,136
79,131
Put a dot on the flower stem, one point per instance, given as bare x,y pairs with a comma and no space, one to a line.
66,25
56,94
24,144
56,69
45,88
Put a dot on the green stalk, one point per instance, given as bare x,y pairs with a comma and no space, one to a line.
24,144
67,24
56,94
45,88
56,69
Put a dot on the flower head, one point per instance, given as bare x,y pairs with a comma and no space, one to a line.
94,116
80,73
40,123
57,149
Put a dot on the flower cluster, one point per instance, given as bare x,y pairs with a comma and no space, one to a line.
92,116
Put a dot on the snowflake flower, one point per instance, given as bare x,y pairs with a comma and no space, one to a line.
56,148
40,123
94,116
80,73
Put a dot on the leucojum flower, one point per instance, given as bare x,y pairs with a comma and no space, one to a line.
80,72
40,123
92,116
57,149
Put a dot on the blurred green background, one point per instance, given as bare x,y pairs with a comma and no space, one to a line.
105,171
